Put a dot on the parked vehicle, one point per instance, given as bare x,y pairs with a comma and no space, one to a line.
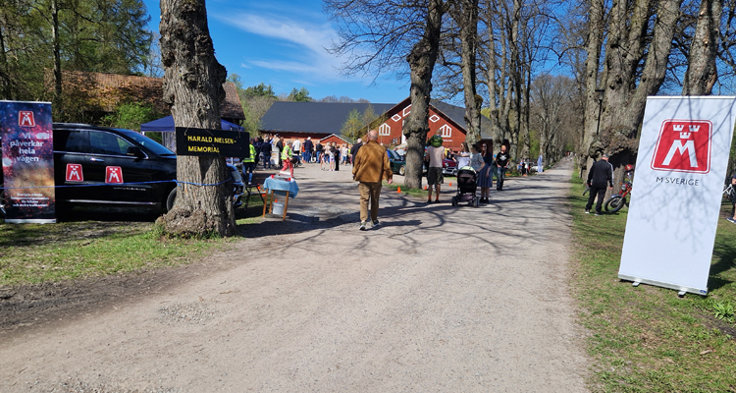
116,167
449,167
398,163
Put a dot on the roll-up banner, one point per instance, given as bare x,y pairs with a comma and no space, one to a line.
677,191
28,161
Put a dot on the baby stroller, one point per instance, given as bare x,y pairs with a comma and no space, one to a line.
466,186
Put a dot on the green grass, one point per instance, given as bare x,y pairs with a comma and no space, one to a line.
34,253
646,339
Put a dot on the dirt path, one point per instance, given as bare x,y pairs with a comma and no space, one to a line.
438,299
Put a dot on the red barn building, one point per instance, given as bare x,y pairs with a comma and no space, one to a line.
319,120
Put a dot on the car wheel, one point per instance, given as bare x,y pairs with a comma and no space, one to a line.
402,170
170,200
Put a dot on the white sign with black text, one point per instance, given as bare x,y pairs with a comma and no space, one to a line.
677,191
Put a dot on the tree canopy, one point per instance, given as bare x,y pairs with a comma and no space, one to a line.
40,36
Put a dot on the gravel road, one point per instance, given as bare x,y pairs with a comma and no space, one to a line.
437,299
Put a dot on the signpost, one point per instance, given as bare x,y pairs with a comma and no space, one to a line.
202,142
28,161
680,173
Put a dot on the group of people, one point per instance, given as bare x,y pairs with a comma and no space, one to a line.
277,152
480,157
371,166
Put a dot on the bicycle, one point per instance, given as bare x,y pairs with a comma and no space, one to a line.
617,201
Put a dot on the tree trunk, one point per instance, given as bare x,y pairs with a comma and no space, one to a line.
592,98
466,16
5,86
58,99
495,97
701,72
421,60
193,85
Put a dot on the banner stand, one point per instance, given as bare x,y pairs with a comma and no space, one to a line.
680,170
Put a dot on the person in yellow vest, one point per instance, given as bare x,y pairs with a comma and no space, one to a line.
249,164
286,158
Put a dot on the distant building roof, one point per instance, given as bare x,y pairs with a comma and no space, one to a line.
107,91
313,117
457,114
329,117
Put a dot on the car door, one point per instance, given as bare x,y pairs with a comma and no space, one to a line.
78,175
124,173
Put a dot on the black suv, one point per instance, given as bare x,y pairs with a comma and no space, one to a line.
89,160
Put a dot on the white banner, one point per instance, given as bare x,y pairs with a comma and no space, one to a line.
677,191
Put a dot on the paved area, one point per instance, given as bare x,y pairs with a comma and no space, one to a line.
437,299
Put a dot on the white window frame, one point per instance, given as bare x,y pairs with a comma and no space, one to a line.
446,131
384,129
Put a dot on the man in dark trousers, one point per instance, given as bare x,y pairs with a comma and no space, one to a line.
600,173
502,163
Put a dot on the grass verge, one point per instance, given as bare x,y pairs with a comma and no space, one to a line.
34,253
646,339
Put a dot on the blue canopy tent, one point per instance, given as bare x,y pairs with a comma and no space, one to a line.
165,125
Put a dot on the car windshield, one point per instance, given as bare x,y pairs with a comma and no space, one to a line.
392,155
147,142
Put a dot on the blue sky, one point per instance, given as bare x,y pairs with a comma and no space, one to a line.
282,43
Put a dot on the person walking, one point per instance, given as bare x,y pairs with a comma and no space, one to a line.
370,167
266,154
435,153
319,152
540,167
601,172
286,159
502,164
308,148
485,176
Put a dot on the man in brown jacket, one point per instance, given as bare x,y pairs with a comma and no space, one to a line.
370,167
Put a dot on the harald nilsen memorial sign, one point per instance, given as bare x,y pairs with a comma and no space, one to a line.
203,142
680,173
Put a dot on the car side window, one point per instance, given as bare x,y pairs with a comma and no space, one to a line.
107,143
73,141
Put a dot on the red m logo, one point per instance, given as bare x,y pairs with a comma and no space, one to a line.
683,146
25,119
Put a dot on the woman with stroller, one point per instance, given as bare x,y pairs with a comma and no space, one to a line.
485,176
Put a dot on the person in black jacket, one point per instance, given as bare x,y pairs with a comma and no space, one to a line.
266,153
502,164
601,172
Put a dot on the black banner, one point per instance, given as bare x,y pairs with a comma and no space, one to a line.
202,142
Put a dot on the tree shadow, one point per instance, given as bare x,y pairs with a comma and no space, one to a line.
726,255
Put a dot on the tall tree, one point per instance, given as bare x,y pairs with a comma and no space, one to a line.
193,85
465,14
422,59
